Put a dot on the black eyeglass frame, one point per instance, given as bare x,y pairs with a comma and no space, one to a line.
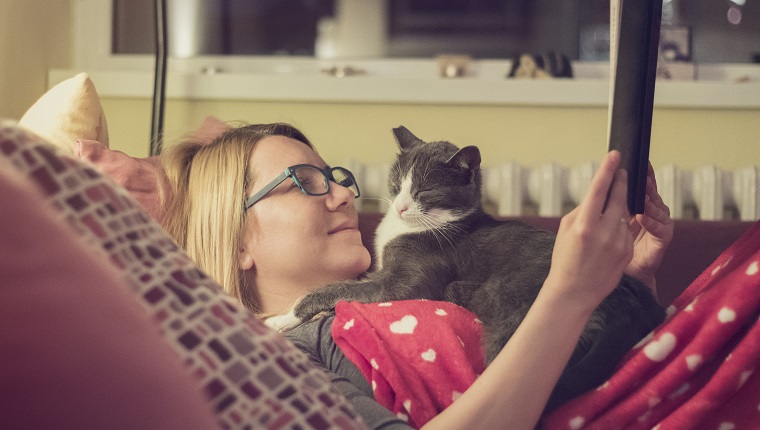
327,173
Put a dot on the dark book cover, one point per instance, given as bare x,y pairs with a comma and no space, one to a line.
633,64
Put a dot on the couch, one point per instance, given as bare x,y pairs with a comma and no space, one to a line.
113,326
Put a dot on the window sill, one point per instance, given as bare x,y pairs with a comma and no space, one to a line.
419,84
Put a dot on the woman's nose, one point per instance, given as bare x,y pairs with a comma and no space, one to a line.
339,195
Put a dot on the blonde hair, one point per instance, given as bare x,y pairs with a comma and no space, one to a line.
205,213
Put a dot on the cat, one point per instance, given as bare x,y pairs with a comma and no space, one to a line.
436,242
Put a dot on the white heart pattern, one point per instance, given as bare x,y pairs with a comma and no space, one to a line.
693,361
726,315
348,324
428,355
576,423
405,325
408,405
744,376
753,269
657,350
680,391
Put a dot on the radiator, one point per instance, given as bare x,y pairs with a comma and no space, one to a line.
551,190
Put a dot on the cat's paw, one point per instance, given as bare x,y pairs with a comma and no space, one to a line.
313,304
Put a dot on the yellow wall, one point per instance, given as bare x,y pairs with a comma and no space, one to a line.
35,36
528,135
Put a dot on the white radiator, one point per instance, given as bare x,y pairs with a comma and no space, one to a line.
551,190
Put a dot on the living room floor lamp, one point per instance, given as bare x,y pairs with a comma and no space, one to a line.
159,83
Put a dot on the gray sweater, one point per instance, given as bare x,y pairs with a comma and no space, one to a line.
315,339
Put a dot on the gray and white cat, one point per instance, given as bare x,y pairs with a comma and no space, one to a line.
437,243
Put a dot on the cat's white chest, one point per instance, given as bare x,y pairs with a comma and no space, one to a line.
389,228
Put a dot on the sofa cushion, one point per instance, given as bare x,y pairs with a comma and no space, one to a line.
249,373
77,350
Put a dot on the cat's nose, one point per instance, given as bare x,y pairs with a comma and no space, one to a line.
401,208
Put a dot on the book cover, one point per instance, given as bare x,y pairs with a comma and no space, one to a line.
634,41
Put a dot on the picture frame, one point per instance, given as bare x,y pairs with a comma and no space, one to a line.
675,43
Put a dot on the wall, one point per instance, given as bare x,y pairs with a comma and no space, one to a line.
528,135
35,36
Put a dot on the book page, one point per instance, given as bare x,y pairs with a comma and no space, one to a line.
614,29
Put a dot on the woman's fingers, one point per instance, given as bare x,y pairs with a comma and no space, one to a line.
617,204
594,200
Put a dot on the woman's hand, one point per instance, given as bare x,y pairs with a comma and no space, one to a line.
592,248
594,243
652,231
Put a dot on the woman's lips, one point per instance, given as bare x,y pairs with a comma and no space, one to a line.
344,227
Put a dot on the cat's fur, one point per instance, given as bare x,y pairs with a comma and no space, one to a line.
445,247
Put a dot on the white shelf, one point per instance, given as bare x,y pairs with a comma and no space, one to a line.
490,89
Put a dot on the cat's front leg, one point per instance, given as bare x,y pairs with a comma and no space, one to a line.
325,298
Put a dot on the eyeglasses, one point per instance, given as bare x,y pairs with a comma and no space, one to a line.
312,181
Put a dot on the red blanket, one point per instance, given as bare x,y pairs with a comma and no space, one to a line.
418,355
697,370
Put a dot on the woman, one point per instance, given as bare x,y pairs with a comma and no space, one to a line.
288,239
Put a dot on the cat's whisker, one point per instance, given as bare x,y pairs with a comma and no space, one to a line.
439,231
444,225
431,228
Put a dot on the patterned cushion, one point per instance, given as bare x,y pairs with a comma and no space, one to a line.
75,354
69,111
251,375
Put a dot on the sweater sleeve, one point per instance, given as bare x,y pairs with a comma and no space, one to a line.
315,339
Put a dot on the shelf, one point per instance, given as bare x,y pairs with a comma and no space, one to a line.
392,88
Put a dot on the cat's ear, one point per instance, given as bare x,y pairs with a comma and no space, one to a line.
405,138
466,158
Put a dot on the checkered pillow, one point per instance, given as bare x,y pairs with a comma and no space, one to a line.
251,375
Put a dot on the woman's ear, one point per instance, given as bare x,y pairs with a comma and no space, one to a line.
245,259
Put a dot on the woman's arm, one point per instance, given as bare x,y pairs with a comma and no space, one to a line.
591,251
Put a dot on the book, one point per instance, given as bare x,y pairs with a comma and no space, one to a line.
634,42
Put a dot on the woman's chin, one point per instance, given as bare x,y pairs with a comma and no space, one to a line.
358,264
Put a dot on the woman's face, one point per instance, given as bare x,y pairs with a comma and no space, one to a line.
295,242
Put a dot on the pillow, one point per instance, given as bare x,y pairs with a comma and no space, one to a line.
142,177
78,351
250,375
69,111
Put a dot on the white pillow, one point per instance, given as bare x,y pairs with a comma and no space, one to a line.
69,111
